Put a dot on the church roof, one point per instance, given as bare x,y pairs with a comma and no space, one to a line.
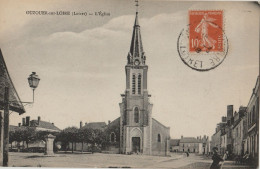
6,81
160,123
114,122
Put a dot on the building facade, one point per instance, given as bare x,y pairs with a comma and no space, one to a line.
194,145
239,130
253,122
222,138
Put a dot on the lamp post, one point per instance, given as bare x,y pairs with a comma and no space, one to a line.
33,80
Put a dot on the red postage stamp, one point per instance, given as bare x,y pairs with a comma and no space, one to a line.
206,31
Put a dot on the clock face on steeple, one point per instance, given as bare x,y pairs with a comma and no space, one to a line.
137,62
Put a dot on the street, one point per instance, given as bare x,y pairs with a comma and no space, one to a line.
78,160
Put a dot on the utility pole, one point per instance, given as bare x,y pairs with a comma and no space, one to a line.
6,128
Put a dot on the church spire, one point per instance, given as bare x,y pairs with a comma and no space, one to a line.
136,53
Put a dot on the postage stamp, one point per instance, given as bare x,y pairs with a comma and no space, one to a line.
203,45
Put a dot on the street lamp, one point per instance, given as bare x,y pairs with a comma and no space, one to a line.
33,80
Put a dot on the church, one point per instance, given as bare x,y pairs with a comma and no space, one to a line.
135,131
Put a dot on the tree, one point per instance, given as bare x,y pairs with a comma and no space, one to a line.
85,136
11,138
96,138
69,134
62,137
29,134
18,136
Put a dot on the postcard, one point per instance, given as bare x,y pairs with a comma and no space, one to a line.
129,84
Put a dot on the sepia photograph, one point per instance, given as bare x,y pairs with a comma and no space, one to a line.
129,84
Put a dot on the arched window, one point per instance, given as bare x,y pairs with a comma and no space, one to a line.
133,84
159,138
139,84
136,115
112,137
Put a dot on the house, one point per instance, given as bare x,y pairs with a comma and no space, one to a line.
194,145
174,145
37,125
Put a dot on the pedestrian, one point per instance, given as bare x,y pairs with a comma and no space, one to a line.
216,159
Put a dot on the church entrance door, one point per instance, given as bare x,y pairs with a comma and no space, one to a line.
136,144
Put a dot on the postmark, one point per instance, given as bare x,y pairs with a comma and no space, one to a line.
203,45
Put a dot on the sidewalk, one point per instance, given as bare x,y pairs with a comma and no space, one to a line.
231,164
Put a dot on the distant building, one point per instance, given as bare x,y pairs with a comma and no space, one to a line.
219,138
39,125
194,145
174,145
222,138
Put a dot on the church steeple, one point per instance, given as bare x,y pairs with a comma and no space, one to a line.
136,69
136,54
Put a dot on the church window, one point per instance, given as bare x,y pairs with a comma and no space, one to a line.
159,138
133,84
112,137
139,84
136,115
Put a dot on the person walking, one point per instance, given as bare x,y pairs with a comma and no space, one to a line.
216,159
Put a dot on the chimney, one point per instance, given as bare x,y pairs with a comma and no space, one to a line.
197,137
80,124
229,112
27,120
224,119
109,121
19,124
181,137
39,119
86,124
52,123
23,122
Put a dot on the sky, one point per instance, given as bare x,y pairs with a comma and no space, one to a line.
81,59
